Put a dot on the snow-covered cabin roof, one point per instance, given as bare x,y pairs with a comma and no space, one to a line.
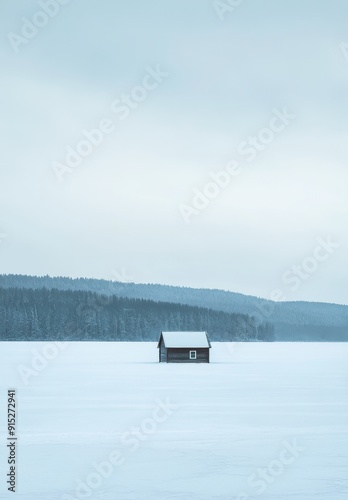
185,339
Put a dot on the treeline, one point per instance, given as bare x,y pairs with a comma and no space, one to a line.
51,314
214,299
295,314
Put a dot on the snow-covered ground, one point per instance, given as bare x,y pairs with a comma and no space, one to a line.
106,421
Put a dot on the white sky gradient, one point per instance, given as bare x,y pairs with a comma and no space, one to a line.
118,211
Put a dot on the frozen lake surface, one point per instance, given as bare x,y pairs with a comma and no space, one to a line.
106,421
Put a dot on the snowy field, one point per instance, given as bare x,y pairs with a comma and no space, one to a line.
106,421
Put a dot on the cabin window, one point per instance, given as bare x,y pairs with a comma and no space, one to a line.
193,354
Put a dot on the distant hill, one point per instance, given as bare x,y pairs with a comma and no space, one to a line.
51,314
300,321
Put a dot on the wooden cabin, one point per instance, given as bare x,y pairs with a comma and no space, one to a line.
184,347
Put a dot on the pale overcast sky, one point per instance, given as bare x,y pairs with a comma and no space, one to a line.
182,90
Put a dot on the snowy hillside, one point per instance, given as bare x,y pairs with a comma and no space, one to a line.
297,321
